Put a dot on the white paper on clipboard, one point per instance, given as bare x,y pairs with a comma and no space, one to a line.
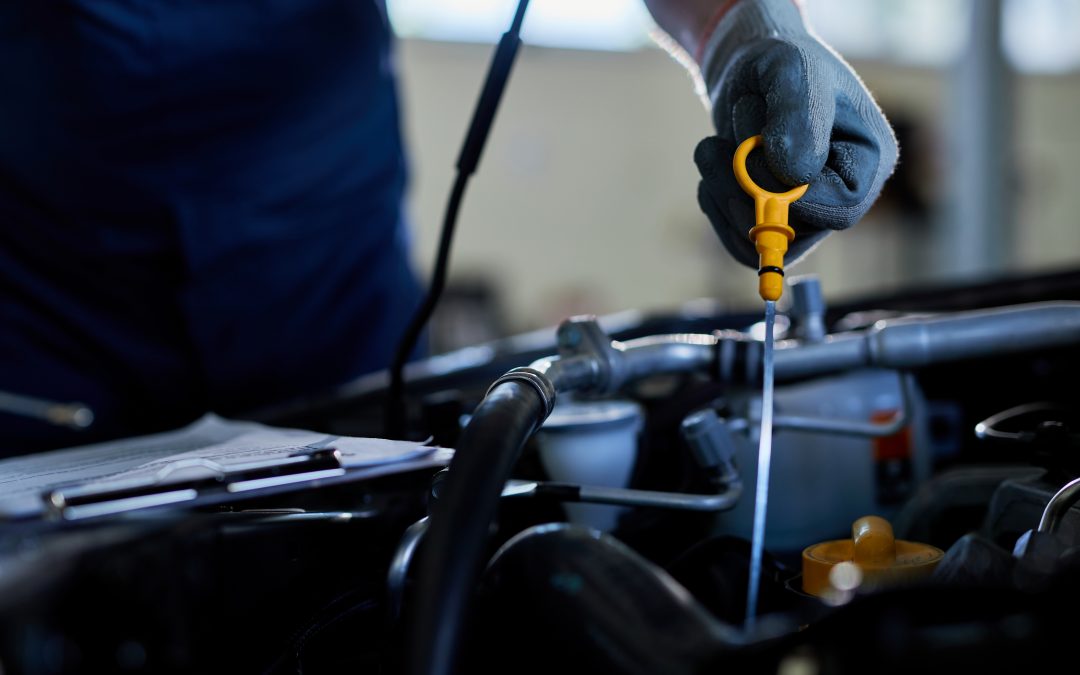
205,448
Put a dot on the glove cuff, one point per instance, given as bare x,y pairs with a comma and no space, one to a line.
742,22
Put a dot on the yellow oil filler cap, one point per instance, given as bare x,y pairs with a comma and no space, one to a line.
872,558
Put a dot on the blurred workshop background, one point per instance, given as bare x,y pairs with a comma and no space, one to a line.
585,198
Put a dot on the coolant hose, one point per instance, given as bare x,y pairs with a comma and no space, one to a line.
460,520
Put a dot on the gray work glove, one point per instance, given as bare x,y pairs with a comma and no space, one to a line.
767,74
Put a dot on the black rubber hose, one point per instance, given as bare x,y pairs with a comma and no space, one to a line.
461,521
600,607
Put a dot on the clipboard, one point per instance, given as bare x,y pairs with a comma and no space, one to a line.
211,462
81,502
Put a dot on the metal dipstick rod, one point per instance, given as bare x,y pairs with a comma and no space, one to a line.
761,490
771,235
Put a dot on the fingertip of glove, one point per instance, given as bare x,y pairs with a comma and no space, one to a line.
713,158
708,156
703,151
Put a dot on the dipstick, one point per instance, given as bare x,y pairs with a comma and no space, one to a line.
771,235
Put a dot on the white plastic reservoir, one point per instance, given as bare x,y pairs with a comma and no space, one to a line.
591,443
821,483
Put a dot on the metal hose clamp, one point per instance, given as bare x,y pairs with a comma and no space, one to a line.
533,378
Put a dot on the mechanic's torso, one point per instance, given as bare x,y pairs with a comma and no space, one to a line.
199,205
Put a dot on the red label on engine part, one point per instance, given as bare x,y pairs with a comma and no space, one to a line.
892,461
897,446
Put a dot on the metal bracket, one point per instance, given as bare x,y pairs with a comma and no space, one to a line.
582,336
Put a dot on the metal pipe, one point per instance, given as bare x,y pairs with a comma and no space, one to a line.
596,494
665,354
1059,505
796,360
721,501
630,361
807,308
822,425
897,343
568,374
912,343
917,342
840,427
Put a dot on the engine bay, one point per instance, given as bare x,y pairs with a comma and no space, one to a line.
596,513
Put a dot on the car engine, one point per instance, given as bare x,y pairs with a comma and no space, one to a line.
595,512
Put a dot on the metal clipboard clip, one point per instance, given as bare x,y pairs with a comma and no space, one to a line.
90,501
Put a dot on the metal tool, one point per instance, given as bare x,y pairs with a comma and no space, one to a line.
771,235
72,415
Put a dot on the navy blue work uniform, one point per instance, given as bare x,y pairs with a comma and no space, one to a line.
200,207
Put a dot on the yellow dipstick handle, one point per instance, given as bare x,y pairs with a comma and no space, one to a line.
772,233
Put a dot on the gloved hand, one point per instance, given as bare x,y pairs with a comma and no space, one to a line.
766,73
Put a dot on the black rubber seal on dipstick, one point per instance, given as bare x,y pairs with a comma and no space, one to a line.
771,268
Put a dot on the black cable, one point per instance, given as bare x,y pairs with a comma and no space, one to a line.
395,404
519,17
469,158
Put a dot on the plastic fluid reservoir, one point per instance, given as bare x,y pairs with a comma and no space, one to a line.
591,443
873,558
822,482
